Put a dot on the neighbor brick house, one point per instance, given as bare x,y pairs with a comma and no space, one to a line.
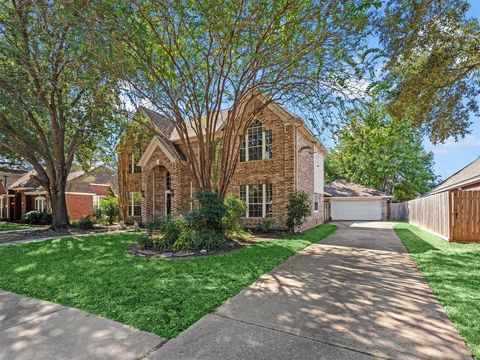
280,156
19,194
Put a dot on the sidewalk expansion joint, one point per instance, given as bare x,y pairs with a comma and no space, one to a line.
305,337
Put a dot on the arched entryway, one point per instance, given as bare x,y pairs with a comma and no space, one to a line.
158,196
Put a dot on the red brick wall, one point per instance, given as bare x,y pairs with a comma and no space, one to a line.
79,205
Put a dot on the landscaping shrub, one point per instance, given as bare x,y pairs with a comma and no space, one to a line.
37,218
97,214
205,224
299,209
109,207
265,225
165,231
236,209
145,242
85,223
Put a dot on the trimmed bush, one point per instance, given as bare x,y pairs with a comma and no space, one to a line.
85,223
165,231
37,218
109,206
236,209
205,224
299,209
265,225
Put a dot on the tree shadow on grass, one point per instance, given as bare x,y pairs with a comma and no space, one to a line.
414,243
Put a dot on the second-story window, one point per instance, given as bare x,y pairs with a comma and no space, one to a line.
257,143
133,159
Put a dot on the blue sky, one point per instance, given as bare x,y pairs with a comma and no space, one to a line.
452,156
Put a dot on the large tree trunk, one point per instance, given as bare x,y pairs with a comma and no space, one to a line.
59,208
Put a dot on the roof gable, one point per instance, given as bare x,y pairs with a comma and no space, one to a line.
468,174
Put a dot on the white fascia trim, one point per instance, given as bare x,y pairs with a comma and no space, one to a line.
357,198
151,148
79,193
454,186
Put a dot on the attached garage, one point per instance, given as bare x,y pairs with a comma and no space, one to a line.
349,201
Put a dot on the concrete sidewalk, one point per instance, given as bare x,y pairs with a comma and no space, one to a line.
355,295
32,329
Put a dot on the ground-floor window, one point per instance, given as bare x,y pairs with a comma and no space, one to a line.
1,208
316,202
96,201
40,204
135,204
259,199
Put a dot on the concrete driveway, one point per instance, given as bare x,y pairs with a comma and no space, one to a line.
355,295
32,329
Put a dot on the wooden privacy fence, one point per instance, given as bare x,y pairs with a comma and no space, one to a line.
453,215
465,216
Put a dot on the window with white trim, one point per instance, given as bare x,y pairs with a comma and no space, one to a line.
257,144
40,204
96,201
316,202
133,159
135,204
259,199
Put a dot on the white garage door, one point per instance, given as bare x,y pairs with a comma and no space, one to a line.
356,210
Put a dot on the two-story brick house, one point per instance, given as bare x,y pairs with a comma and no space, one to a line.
278,156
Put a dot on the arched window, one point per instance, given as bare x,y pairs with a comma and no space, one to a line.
168,181
257,143
40,204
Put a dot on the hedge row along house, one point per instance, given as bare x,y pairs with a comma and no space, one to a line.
20,194
278,156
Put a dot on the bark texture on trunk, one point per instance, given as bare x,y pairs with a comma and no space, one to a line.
59,209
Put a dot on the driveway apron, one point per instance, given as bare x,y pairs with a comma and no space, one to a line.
355,295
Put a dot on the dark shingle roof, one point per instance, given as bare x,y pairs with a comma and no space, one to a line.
11,176
98,175
343,188
469,172
160,121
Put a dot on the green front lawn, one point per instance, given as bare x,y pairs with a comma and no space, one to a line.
95,274
12,226
453,272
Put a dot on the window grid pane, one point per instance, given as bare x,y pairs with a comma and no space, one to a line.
243,192
135,204
268,199
243,151
268,144
255,200
255,142
137,154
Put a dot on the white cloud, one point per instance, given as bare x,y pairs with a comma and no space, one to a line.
469,141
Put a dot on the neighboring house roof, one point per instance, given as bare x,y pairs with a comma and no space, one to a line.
77,181
99,176
469,174
343,188
26,182
8,177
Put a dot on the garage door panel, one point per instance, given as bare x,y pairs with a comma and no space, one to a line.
356,210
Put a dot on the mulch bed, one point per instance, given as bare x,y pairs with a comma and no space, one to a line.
40,233
138,250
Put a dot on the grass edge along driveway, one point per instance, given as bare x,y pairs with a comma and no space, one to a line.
453,272
164,297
